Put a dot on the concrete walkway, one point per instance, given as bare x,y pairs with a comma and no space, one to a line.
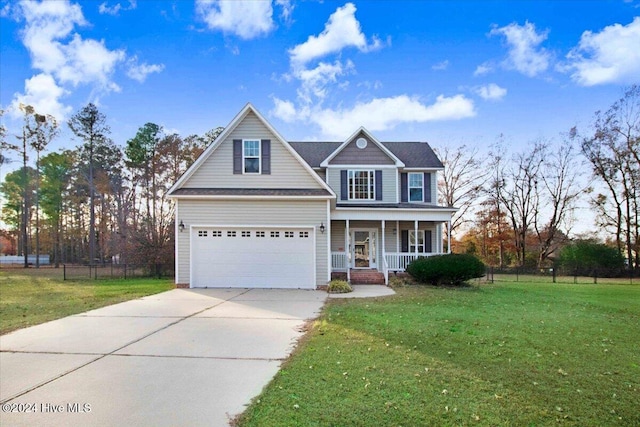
183,357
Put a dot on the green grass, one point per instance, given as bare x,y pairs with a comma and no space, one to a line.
29,297
487,355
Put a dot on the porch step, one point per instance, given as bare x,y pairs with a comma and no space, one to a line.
367,277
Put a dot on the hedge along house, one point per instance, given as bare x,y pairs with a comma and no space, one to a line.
256,210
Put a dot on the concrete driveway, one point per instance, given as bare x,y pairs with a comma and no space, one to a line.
184,357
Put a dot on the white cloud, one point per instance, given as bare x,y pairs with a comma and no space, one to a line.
42,93
378,114
315,81
115,9
610,56
440,66
525,54
287,10
284,110
483,69
341,31
490,92
140,72
245,18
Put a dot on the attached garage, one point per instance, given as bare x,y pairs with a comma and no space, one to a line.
252,257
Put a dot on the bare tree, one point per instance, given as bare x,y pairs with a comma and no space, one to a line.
614,153
460,185
560,191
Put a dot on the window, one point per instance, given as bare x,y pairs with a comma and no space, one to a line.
275,234
251,156
416,187
419,242
259,233
304,234
231,234
289,234
246,234
361,185
202,233
216,233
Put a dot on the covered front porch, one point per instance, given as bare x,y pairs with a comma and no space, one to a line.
384,245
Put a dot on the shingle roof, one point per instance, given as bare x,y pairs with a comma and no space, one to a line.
412,154
249,192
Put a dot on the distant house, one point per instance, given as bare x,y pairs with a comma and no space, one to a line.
256,210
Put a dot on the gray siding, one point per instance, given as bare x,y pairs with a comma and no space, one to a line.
217,170
390,185
252,212
370,155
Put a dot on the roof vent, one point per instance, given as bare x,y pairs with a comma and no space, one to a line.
361,143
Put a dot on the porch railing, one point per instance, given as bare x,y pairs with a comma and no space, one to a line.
338,261
398,261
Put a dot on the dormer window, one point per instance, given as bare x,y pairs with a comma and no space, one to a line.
251,155
362,185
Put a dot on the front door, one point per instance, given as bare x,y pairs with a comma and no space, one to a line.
363,246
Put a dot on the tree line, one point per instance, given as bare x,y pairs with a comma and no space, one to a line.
96,203
518,209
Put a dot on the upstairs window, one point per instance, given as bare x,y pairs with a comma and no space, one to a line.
362,185
416,187
251,155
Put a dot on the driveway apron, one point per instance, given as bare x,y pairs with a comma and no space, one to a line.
182,357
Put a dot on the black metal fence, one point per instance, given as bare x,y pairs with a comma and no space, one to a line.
558,275
115,271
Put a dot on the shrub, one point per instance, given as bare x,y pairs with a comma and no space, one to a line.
588,258
450,269
339,287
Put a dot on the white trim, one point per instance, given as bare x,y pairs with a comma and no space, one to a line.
435,215
244,157
360,166
372,177
431,169
409,187
176,243
396,160
328,230
227,131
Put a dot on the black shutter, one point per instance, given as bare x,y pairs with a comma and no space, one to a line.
344,185
237,156
404,187
378,185
404,241
427,187
266,156
427,241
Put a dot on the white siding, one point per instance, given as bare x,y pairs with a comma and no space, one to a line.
217,170
252,212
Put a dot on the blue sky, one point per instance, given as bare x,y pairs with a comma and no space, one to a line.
446,72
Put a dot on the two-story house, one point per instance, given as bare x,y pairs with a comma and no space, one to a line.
256,210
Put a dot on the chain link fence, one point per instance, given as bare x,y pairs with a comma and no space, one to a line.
559,275
115,271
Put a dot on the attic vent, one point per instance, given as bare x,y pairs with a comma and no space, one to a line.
361,143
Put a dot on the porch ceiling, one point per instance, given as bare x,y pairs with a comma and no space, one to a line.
432,213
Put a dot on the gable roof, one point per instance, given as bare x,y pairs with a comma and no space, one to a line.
372,138
228,130
412,154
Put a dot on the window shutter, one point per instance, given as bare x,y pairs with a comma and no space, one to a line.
344,184
237,156
266,156
378,178
404,187
404,241
426,182
427,241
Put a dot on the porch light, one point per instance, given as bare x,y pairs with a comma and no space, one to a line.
322,227
181,226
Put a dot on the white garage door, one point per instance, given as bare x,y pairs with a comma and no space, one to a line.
252,257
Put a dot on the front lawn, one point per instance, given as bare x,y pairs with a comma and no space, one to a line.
487,355
32,296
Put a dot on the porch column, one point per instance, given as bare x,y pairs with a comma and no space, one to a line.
415,236
397,236
449,236
348,254
384,259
